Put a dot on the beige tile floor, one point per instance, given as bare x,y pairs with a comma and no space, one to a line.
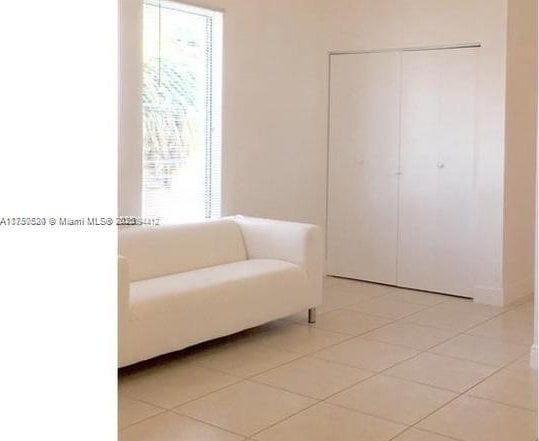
380,364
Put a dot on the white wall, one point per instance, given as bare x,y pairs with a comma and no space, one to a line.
130,108
275,104
521,120
274,111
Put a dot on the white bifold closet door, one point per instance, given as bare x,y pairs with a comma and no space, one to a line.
363,166
401,168
437,170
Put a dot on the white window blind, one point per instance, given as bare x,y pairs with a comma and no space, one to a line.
181,112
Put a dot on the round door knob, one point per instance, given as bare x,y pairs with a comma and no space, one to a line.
441,165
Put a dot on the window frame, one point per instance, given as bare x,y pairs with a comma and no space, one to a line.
213,138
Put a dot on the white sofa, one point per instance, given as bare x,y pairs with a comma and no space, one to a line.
185,284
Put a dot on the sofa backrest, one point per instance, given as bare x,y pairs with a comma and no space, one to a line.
159,251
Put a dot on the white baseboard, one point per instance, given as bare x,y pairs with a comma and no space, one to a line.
533,357
515,292
519,290
488,295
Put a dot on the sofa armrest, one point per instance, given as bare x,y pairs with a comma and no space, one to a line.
298,243
123,289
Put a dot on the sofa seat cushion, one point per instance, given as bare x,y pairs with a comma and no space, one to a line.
171,312
156,296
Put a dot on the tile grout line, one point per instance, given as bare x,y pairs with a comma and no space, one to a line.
325,400
424,308
311,353
239,380
161,412
496,368
209,423
406,425
318,401
472,361
361,335
460,395
514,406
174,410
284,419
378,297
419,352
426,431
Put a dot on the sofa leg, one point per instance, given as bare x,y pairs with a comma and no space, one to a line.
312,315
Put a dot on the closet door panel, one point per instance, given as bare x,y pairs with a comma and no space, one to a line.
363,164
437,166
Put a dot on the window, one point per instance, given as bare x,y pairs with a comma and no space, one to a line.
181,112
